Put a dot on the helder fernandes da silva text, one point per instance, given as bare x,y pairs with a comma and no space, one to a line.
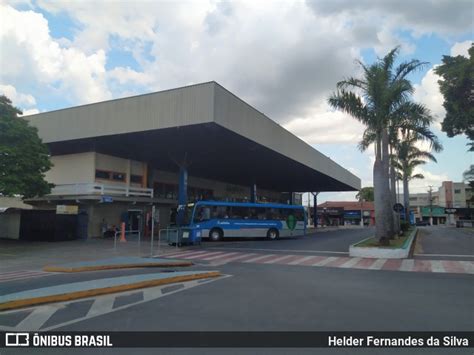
370,340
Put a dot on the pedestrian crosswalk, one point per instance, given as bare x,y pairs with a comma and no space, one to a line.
21,275
409,265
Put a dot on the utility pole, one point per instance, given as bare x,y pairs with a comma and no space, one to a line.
430,191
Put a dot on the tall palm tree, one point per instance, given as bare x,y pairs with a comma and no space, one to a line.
408,157
377,98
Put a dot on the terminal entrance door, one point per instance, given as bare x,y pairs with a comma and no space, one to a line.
135,220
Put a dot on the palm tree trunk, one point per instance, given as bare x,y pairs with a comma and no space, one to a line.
406,198
381,226
388,212
393,188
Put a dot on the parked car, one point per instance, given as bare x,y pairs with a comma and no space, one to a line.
422,223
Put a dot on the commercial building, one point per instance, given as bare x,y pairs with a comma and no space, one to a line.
445,205
115,159
335,213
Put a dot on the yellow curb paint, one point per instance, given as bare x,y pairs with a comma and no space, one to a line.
110,267
102,291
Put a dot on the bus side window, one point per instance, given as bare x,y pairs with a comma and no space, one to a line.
261,213
299,214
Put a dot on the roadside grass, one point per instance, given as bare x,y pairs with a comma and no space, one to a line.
394,243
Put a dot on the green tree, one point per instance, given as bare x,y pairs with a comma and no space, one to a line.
408,157
382,94
412,120
457,88
366,194
23,157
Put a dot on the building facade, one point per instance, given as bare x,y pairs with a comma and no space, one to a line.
116,159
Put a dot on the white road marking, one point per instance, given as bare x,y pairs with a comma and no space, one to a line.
200,256
101,304
217,256
231,259
379,263
285,250
448,255
436,266
41,314
37,318
272,261
350,263
325,261
260,257
183,253
468,266
300,260
407,265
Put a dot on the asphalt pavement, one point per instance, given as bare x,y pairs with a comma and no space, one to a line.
275,297
445,243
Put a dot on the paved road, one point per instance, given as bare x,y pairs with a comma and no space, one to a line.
445,243
322,242
258,296
277,297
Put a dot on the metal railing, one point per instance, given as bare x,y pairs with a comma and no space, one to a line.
100,189
169,231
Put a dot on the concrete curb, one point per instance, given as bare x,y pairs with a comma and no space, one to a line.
381,252
26,302
117,263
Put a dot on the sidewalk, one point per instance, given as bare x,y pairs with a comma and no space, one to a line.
27,255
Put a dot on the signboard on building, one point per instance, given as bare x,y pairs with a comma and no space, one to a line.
450,210
65,209
106,199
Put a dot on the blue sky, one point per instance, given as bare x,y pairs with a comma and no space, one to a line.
284,58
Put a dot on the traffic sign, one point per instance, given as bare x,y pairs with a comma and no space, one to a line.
398,207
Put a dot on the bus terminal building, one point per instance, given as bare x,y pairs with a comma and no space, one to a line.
115,159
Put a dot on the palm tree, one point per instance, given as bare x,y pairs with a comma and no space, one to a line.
380,96
408,157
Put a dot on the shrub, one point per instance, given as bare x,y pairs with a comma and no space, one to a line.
404,226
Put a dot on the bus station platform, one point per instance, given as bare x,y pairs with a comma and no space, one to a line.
84,289
122,262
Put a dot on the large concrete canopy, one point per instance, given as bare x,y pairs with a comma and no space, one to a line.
216,134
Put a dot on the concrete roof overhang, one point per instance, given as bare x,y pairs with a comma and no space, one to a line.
217,135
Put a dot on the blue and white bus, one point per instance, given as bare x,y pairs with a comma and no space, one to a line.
216,220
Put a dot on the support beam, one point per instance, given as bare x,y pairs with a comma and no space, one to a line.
182,194
315,209
253,193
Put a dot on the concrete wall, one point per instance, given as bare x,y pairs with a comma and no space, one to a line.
15,202
72,169
10,225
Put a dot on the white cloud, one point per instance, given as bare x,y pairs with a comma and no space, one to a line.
16,97
31,55
428,94
431,179
461,48
32,111
322,125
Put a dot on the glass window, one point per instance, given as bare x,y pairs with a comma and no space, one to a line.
238,212
102,174
136,179
118,176
457,191
203,213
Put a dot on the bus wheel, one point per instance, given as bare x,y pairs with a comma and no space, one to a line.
273,234
216,234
